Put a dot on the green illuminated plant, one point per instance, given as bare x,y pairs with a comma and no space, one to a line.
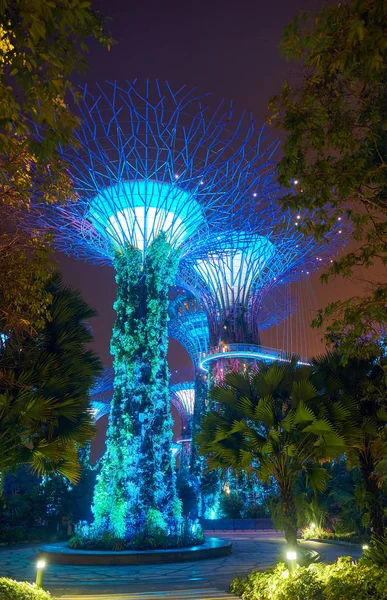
20,590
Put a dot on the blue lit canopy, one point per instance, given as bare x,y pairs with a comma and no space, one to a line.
183,398
151,159
134,212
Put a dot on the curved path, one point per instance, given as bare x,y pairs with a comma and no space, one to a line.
251,550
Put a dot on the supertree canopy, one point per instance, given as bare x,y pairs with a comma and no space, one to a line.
183,398
238,277
158,174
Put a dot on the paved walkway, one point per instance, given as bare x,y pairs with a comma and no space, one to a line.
251,550
179,595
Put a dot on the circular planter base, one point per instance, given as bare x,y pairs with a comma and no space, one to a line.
61,554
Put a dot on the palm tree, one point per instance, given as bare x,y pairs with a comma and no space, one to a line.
276,422
45,414
361,383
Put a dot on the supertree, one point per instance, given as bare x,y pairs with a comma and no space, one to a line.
183,398
189,326
239,283
158,174
237,280
101,394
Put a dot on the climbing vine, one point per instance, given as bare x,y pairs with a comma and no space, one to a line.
135,493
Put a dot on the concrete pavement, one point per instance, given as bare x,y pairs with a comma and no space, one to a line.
251,550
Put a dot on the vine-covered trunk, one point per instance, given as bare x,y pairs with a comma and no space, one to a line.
373,494
197,461
288,513
136,491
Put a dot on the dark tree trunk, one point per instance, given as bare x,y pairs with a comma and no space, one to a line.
373,494
289,514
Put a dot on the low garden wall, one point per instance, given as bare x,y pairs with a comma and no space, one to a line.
236,524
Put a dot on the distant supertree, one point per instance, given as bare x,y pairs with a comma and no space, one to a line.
237,279
183,398
158,175
189,326
101,394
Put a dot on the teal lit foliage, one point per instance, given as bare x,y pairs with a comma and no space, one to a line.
343,580
136,492
153,535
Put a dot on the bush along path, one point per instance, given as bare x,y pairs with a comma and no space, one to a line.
345,579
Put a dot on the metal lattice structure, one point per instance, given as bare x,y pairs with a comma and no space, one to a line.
163,172
151,160
189,325
237,279
161,177
101,394
183,398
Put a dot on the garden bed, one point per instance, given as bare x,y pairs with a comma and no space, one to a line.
316,582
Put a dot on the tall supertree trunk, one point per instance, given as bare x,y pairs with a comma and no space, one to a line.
136,487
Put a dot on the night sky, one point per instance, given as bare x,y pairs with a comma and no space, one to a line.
228,48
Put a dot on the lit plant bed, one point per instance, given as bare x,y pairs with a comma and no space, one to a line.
151,542
316,582
152,537
317,534
61,554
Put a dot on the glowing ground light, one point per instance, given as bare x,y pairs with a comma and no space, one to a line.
134,212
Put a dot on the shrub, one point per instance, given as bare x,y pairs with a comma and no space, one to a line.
90,537
231,506
344,580
16,590
321,534
376,553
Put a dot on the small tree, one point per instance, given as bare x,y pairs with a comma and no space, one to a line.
45,379
276,422
335,152
360,383
42,45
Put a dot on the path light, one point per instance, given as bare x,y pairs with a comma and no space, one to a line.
291,557
40,566
313,525
365,547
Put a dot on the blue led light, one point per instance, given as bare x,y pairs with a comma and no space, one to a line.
244,354
134,212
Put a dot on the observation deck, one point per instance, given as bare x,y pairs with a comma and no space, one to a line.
244,352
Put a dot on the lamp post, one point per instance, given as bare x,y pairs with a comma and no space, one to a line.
40,566
291,556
